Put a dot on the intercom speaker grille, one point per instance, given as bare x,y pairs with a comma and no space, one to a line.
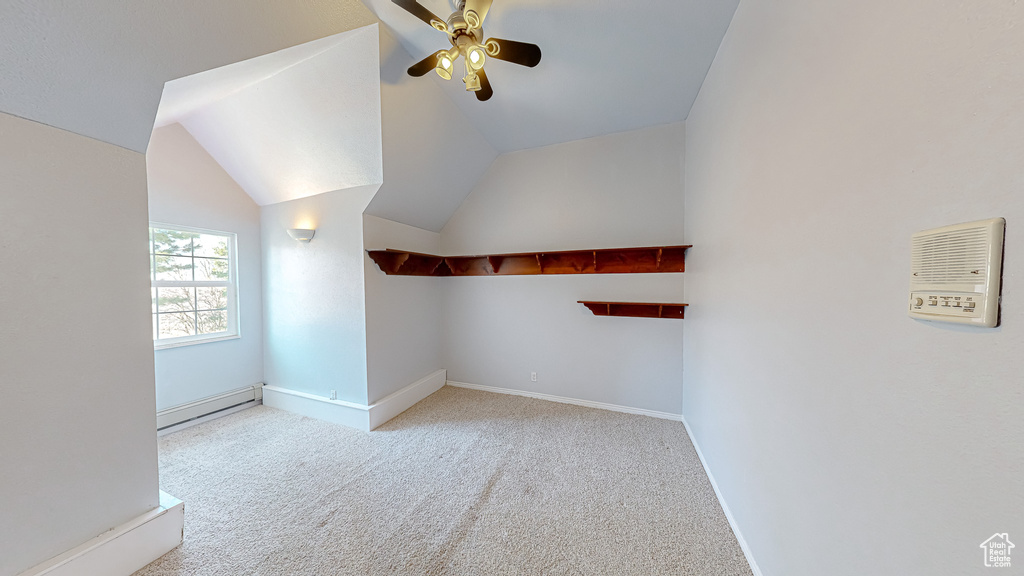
955,273
958,257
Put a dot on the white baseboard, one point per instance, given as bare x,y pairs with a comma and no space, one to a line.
125,549
320,407
204,406
390,406
359,416
725,507
574,401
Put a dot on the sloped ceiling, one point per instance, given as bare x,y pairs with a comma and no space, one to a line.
97,68
311,119
433,155
608,66
291,124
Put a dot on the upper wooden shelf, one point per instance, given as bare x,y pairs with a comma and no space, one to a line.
606,261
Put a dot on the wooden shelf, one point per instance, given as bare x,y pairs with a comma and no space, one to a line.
654,259
636,309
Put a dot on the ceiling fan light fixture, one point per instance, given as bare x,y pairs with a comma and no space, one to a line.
445,66
464,29
476,56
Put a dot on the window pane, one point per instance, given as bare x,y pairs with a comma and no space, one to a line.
174,268
153,290
172,242
175,325
211,246
213,321
211,269
154,327
212,298
178,299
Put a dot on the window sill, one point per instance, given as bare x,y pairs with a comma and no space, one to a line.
182,343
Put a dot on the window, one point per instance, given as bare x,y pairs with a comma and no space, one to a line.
194,285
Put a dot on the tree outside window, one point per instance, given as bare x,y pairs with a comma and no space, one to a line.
193,285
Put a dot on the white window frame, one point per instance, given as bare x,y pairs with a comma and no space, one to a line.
234,330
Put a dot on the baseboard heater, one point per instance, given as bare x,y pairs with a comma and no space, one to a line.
207,406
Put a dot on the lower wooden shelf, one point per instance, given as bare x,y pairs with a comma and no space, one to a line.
636,309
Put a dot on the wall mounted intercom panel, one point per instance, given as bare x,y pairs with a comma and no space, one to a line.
955,273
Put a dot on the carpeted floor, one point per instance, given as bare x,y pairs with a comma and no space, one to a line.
465,482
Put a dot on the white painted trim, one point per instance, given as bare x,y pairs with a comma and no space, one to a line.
725,507
359,416
320,407
574,401
390,406
125,549
165,345
205,406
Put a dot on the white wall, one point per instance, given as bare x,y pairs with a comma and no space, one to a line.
403,313
609,192
847,438
77,416
314,331
188,187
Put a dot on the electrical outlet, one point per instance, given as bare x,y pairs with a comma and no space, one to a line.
533,376
334,394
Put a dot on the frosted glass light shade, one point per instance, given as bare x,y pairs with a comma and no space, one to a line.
301,234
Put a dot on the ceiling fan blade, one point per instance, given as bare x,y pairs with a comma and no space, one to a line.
413,7
511,51
478,7
485,92
423,66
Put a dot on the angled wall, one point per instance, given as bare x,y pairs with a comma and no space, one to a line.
294,123
847,438
76,356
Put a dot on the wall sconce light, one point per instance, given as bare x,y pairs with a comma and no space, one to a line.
301,234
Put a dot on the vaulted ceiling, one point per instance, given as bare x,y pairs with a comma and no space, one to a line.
608,66
98,68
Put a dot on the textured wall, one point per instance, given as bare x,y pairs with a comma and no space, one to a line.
608,192
847,438
77,418
314,327
188,187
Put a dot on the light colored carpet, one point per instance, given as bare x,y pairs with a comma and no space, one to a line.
465,482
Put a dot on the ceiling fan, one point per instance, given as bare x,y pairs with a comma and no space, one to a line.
465,31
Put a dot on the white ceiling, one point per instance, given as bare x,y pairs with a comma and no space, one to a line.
433,155
608,66
292,124
97,68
